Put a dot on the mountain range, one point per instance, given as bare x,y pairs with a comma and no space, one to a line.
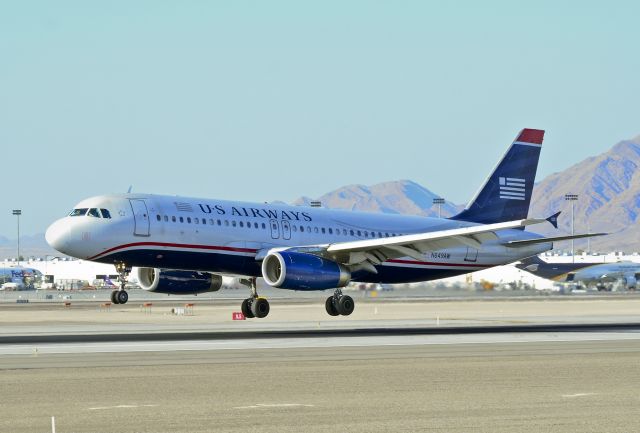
607,185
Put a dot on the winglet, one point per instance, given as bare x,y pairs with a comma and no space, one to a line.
553,219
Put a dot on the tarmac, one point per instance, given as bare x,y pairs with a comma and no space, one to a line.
554,365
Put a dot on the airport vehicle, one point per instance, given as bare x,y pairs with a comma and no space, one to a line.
185,245
600,275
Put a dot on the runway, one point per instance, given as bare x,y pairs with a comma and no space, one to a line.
553,386
362,375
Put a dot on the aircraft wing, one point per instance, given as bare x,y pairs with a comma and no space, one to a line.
364,254
525,242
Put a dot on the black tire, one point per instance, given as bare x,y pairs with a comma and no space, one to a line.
246,308
260,307
114,298
122,297
346,305
331,308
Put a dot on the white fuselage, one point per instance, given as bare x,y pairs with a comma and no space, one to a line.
230,237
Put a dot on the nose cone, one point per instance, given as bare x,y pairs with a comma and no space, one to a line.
57,235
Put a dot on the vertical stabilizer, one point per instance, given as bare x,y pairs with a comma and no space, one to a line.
506,194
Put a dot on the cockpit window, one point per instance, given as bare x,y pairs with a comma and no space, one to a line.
93,212
79,212
105,213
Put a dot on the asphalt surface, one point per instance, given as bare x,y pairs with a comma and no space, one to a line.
567,386
492,367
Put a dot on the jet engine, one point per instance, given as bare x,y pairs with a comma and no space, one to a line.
302,271
175,282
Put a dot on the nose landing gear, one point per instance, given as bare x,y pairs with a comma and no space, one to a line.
339,304
120,296
254,306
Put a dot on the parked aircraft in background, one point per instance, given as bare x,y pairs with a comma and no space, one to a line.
601,275
185,245
19,278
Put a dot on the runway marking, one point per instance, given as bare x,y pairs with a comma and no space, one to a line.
122,406
276,405
580,394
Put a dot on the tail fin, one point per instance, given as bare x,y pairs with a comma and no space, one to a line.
506,194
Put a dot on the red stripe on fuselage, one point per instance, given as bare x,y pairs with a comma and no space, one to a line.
165,244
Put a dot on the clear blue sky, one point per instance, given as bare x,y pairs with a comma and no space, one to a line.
270,100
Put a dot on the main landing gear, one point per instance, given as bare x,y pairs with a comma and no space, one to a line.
254,306
120,296
339,304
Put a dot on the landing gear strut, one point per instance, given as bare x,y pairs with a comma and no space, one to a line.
120,296
339,304
254,306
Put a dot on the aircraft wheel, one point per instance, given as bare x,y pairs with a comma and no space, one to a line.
346,305
260,307
330,306
246,308
122,297
114,298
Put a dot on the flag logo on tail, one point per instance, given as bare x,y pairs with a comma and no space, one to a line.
512,188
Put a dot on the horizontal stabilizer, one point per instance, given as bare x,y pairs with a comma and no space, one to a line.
525,242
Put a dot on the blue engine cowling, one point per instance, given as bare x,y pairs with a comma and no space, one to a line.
178,282
301,271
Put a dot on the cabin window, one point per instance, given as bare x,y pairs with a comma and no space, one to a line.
173,218
181,219
323,230
255,225
189,220
233,223
351,232
301,229
330,231
294,228
315,229
366,234
166,219
241,224
264,226
158,217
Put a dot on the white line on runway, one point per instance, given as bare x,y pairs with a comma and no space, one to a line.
581,394
287,343
277,405
122,406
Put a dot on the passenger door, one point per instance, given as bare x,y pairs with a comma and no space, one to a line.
140,217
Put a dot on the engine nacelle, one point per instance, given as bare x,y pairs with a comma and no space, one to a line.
178,282
301,271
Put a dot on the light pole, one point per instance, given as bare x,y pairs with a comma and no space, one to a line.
573,198
439,201
18,212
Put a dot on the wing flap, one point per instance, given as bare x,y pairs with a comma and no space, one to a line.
526,242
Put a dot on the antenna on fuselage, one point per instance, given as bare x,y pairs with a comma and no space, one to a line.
130,188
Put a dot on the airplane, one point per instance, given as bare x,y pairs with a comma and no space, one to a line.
602,275
180,245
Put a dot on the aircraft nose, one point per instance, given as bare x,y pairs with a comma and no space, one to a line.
57,235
